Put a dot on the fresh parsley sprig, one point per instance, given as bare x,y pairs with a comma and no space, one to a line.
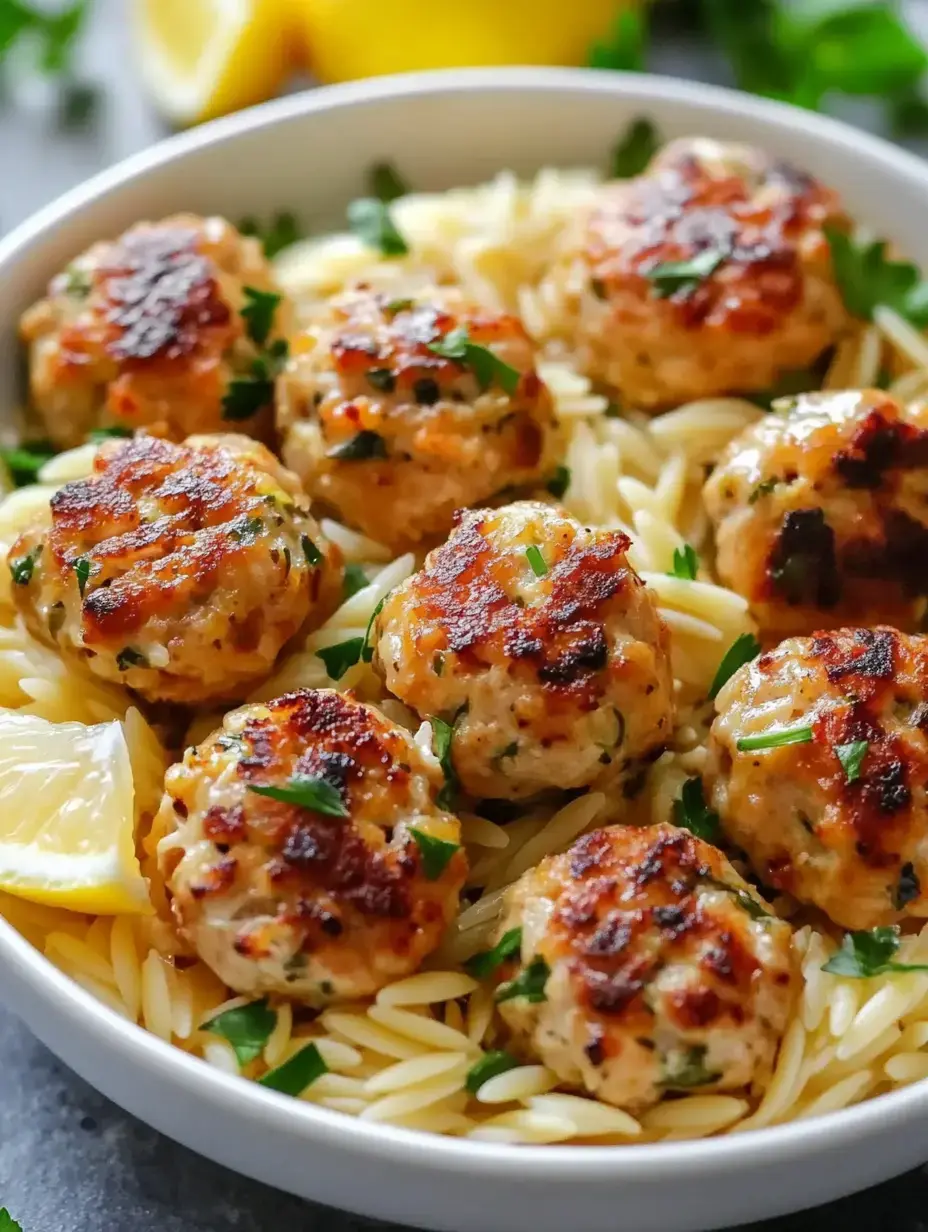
868,278
863,955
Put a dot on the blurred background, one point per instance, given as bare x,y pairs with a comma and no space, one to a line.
83,83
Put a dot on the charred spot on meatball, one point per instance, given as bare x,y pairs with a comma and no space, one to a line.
803,565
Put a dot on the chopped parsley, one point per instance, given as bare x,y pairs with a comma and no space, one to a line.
370,220
116,431
686,1067
536,560
442,736
486,366
866,278
295,1075
77,282
743,649
775,739
685,563
863,955
908,887
367,650
436,853
559,482
22,570
529,983
130,657
482,965
402,304
247,395
354,579
247,1028
386,183
247,531
489,1066
690,812
635,149
82,573
25,461
764,488
310,551
340,657
851,757
673,277
258,313
361,447
308,793
282,231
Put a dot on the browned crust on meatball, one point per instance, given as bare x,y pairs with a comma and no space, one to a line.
465,596
321,870
628,905
679,210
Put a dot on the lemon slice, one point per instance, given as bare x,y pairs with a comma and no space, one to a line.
67,816
203,58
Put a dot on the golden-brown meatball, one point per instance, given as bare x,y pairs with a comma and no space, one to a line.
753,297
650,966
394,436
179,570
821,512
839,819
310,858
539,642
147,332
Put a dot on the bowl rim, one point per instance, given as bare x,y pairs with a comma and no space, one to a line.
61,996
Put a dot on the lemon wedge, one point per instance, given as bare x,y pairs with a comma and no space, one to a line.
346,39
203,58
67,816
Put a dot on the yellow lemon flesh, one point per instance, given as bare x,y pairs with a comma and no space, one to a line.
67,816
203,58
347,39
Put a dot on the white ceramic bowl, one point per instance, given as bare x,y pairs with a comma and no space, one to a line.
310,153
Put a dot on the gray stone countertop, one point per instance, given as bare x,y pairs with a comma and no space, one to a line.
70,1161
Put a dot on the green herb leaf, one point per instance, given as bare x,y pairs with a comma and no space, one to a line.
482,965
489,1065
403,304
635,149
310,551
536,560
308,793
371,222
340,657
436,853
295,1075
486,366
25,461
77,283
361,447
99,435
775,739
863,955
282,231
247,1028
764,488
685,1068
690,812
22,569
442,736
743,649
258,313
245,397
685,563
627,45
247,531
386,183
671,277
353,580
529,983
866,278
130,657
851,757
559,482
55,34
82,573
7,1222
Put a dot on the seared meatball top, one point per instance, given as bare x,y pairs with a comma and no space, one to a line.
819,770
821,511
396,412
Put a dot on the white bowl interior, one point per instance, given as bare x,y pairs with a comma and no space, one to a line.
310,154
